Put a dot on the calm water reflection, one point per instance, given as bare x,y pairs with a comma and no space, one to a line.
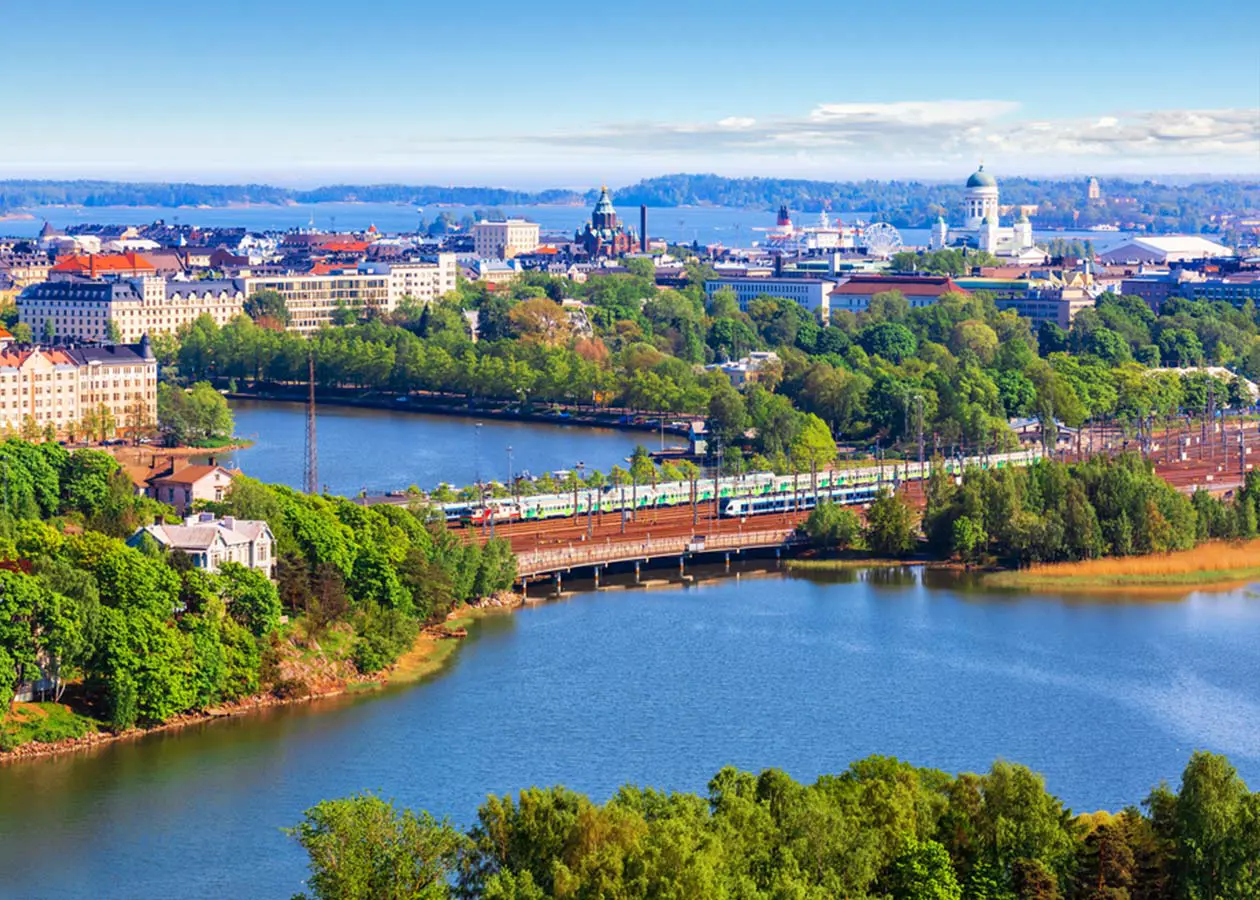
663,687
381,450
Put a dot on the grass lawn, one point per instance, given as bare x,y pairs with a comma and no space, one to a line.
46,723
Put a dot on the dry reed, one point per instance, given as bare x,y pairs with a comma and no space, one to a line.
1212,563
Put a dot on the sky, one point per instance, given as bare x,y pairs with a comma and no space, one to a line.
565,94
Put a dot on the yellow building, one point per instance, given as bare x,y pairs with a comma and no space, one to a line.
66,386
82,310
313,298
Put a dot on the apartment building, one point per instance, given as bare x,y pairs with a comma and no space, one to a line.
77,309
421,280
312,298
504,240
61,386
812,293
25,268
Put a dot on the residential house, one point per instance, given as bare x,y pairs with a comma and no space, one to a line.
211,542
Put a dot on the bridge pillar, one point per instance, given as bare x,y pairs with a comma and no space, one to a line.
559,583
524,587
681,561
636,571
778,551
597,577
728,561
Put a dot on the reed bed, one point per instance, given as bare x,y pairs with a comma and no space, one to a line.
1213,564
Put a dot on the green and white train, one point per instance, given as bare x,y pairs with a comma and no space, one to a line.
751,494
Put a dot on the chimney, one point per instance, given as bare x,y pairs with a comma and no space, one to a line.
229,522
643,235
177,463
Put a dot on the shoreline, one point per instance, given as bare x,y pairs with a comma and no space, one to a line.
431,652
1211,566
452,407
436,645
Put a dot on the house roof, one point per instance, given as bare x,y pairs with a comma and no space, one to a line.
188,475
203,533
869,285
103,263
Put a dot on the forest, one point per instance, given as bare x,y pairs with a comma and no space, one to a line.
959,368
1046,512
131,633
881,830
1150,205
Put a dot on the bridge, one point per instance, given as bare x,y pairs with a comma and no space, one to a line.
595,554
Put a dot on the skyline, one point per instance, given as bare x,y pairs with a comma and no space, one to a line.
493,95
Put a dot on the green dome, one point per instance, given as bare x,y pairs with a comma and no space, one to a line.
604,205
981,178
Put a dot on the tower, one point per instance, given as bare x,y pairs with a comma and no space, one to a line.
604,215
1023,232
940,234
980,199
988,237
310,476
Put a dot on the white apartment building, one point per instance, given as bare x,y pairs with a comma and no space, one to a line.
504,240
62,385
421,280
312,299
82,310
811,293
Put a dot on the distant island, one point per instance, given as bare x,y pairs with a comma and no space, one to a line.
1134,205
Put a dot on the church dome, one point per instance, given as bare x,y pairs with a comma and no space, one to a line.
981,178
604,205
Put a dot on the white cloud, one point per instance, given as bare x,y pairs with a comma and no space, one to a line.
928,133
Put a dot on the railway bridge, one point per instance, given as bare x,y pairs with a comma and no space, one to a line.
594,555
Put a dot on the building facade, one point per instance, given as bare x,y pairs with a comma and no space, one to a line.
211,542
811,293
853,294
605,235
422,281
313,299
75,309
1156,289
66,387
981,227
182,485
504,240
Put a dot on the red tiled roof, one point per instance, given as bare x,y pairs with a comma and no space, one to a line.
103,263
344,245
187,475
869,285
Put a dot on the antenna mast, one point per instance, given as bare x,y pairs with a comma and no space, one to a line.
311,474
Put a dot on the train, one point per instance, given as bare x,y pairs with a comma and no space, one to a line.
751,494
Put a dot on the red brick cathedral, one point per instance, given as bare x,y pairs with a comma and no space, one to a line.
605,236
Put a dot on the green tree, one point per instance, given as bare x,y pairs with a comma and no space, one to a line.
923,871
968,538
832,526
362,848
890,525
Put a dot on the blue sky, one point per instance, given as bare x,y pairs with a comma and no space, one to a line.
570,94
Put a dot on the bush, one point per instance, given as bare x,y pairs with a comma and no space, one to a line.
384,635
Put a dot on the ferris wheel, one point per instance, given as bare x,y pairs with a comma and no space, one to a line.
881,239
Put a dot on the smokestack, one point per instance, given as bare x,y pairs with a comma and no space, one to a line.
643,238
